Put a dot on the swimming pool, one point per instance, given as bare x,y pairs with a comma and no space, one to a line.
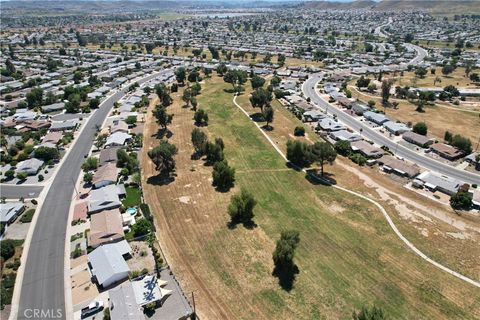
131,211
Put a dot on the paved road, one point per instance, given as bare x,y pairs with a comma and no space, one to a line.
381,140
19,191
43,279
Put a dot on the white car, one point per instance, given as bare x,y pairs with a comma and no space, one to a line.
94,307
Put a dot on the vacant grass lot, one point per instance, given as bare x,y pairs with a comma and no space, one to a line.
347,256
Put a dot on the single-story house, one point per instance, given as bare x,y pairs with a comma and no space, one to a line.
64,126
29,166
107,263
108,155
105,227
418,139
117,139
10,211
148,290
344,135
396,128
105,198
123,304
436,182
367,149
105,175
359,108
446,151
53,107
329,124
313,115
400,167
377,118
119,126
52,137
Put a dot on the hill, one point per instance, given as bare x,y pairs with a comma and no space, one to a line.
432,6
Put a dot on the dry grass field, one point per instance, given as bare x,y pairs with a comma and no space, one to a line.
347,256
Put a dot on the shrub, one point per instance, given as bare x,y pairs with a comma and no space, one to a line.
27,216
299,131
7,249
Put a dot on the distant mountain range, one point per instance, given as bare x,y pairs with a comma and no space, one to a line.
433,6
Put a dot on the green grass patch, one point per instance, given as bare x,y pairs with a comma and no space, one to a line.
133,197
27,216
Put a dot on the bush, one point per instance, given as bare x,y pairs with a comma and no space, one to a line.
223,175
299,131
241,207
141,228
40,178
358,159
461,200
22,176
343,147
7,249
27,216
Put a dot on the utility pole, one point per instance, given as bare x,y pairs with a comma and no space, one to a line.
194,310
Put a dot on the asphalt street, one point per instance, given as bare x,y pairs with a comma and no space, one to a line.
381,140
19,191
43,279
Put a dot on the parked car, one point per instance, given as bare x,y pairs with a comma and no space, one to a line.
94,307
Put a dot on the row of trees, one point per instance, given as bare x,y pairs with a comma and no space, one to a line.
302,154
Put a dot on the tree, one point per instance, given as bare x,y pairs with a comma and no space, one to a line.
46,153
131,120
299,131
201,117
448,136
267,114
462,200
447,69
285,250
420,72
187,96
94,103
323,153
299,153
88,177
363,82
451,90
241,207
223,175
386,86
372,87
149,47
180,75
7,249
420,128
462,143
77,76
194,76
199,141
257,82
162,156
343,147
367,313
214,151
163,118
162,93
91,163
275,81
260,98
35,97
222,69
141,227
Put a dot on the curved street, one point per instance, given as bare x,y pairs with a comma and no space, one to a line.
431,164
42,286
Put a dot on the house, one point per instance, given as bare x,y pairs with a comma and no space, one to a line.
53,107
10,211
367,149
418,139
105,198
105,227
436,182
108,155
64,126
377,118
107,263
105,175
123,304
117,139
329,124
29,166
396,128
148,290
313,115
52,137
400,167
344,135
24,116
119,126
446,151
359,108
